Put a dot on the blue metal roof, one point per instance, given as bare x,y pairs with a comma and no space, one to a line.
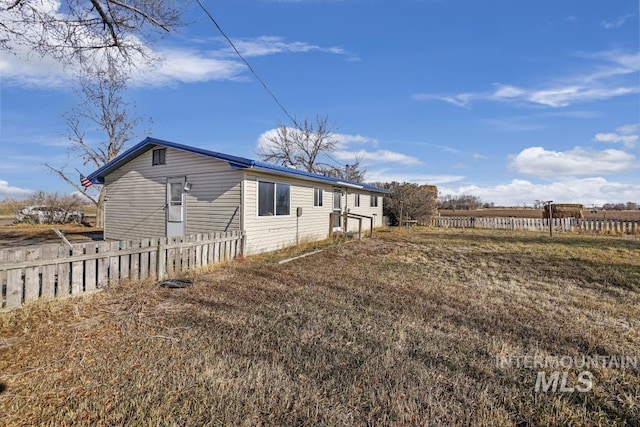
97,177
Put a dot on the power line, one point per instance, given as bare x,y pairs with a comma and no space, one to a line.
264,85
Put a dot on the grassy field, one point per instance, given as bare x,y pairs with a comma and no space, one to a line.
537,213
409,328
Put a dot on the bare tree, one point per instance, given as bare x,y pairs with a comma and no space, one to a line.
105,110
410,201
308,147
354,172
300,147
72,28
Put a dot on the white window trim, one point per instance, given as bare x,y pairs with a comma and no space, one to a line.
356,200
314,197
275,183
371,199
343,203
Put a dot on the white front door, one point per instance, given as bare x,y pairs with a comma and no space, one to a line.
337,209
175,207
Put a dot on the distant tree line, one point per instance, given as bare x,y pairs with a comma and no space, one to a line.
629,206
462,202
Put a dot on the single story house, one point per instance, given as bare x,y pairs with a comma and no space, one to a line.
160,188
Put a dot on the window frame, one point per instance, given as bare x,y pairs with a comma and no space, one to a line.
318,197
356,200
161,158
174,204
275,207
373,201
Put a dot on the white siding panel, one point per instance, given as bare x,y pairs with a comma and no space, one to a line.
364,209
269,233
137,195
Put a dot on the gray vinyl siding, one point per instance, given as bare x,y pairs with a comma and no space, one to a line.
136,195
269,233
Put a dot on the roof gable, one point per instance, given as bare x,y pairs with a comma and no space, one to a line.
97,176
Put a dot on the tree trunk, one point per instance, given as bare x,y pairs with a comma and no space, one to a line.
100,209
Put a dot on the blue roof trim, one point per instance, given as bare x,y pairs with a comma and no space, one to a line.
97,177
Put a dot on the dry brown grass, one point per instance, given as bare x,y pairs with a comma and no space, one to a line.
403,329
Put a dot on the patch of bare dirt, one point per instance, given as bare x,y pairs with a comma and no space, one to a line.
17,235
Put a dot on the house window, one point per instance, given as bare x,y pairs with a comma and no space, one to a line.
356,202
273,199
317,197
159,156
374,201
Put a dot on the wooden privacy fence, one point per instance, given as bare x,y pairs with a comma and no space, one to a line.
542,224
56,271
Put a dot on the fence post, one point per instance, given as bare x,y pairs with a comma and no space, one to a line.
162,260
331,219
243,246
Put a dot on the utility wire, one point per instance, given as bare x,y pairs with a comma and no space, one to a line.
264,85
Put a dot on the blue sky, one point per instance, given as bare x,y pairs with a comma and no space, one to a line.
511,101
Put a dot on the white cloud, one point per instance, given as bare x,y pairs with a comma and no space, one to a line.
608,77
628,129
535,121
439,147
627,135
7,190
460,100
345,151
565,96
388,175
346,139
537,161
379,156
627,140
588,191
269,45
188,66
617,23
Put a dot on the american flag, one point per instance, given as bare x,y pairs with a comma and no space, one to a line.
85,182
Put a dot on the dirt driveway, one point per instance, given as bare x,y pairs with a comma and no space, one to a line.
15,235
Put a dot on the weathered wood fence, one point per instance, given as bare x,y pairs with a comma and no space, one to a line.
542,224
56,271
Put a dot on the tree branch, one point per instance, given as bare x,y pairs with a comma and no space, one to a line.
142,14
106,21
62,175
